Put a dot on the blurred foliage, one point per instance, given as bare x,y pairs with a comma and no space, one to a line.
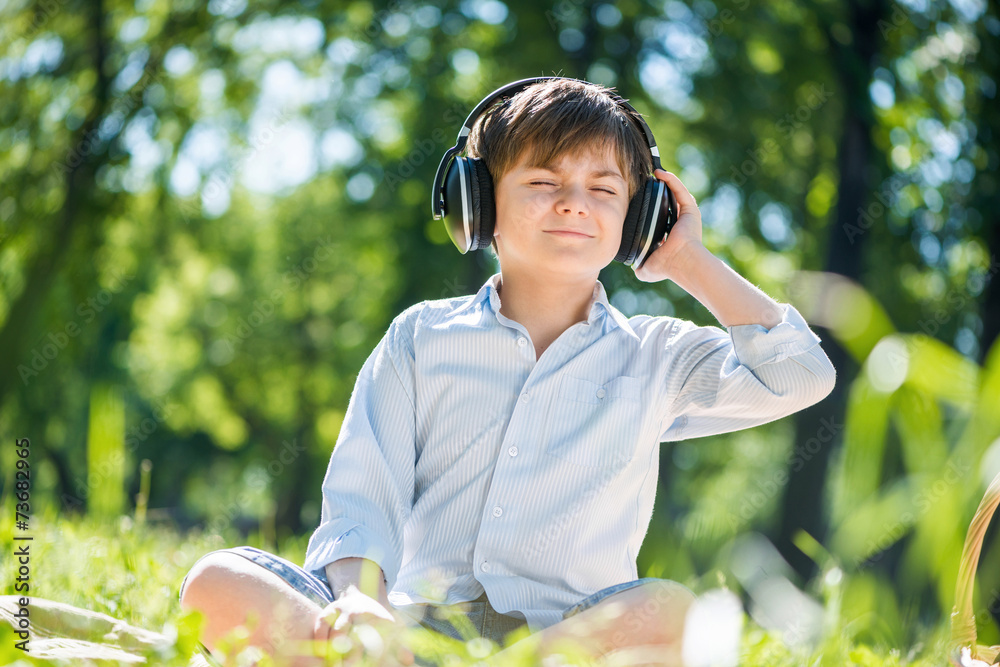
211,211
132,571
921,441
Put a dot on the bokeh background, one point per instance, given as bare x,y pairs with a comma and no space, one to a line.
210,212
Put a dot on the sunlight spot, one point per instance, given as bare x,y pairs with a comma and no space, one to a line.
571,40
487,11
882,94
713,630
179,60
465,61
764,57
361,187
133,29
338,147
888,364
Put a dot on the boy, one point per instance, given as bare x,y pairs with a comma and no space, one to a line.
499,454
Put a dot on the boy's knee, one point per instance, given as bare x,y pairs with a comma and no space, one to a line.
669,592
657,611
211,576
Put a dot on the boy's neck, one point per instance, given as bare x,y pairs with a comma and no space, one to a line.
543,306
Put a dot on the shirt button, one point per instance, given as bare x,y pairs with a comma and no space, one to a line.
600,393
497,511
522,341
486,567
524,397
512,451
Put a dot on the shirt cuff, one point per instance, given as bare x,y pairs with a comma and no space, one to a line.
755,346
331,542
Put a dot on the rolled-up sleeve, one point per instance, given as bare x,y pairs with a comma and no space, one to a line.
718,382
369,483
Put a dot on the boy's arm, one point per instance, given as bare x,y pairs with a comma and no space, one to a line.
369,484
728,295
686,261
768,366
363,574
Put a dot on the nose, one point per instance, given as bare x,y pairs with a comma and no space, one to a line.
573,202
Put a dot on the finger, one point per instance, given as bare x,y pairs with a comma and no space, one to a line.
330,615
681,193
323,629
343,622
321,639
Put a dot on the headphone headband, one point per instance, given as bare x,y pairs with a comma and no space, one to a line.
437,200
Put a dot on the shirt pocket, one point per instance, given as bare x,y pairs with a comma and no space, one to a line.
595,424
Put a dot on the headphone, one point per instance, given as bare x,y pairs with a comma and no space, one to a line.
463,191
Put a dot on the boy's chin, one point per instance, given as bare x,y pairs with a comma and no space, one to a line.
573,264
558,262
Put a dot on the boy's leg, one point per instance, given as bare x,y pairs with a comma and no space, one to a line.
230,591
642,625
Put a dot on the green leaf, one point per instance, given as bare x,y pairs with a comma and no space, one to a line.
865,429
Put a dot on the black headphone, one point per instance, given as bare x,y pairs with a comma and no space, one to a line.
464,188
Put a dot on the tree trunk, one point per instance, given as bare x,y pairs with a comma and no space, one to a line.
22,325
804,494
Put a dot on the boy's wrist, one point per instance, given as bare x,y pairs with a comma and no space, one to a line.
732,299
686,262
363,574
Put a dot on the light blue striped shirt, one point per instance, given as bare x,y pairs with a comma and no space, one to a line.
464,465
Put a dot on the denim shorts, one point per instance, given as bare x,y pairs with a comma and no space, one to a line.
485,620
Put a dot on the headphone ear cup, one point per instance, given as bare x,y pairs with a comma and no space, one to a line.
660,217
636,222
458,204
468,204
483,205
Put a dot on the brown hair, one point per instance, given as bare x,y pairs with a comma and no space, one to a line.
551,118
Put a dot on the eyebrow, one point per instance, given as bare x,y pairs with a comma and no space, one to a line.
608,173
603,173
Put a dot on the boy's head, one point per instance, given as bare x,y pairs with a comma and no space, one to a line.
550,119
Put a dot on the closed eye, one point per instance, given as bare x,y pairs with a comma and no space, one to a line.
596,189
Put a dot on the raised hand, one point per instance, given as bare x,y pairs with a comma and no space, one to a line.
683,240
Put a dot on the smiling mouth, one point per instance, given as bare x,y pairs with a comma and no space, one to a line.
568,233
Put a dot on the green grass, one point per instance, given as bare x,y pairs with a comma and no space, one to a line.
132,571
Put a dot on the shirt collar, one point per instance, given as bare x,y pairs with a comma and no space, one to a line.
601,299
599,304
486,294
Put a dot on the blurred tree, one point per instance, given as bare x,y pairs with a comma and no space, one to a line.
855,127
162,253
985,199
219,207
